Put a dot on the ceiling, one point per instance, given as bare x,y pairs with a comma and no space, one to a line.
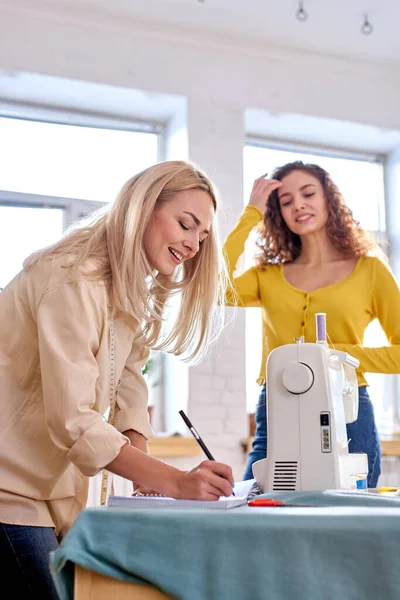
332,27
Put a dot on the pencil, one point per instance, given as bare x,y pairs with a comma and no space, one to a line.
198,438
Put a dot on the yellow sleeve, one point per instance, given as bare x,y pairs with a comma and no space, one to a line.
132,396
386,308
69,321
245,286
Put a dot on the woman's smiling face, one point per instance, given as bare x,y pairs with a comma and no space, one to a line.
177,229
303,203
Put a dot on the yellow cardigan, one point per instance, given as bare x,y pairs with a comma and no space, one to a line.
370,292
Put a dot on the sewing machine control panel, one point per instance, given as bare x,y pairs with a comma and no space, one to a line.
325,423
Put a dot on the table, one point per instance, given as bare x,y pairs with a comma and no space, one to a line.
341,546
90,585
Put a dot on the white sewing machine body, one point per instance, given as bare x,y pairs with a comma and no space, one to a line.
312,393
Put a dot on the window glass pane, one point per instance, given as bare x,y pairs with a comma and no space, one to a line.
23,231
360,182
70,161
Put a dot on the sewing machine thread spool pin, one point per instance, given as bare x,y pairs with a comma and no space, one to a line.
320,328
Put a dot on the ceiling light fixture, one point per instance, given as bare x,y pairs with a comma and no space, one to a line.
301,14
366,27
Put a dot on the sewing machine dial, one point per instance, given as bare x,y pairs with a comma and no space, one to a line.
297,378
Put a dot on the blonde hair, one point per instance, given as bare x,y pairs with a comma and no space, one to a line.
112,238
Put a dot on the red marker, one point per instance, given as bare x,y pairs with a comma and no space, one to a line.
265,502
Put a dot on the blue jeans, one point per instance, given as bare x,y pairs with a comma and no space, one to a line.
362,434
25,566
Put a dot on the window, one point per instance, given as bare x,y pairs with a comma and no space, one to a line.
85,162
36,226
361,181
54,173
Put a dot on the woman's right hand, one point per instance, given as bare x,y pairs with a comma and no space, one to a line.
261,191
207,481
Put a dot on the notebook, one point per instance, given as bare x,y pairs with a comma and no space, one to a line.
223,503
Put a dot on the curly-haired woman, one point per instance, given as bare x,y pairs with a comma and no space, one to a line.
314,257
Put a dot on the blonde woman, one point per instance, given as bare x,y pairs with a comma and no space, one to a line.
77,324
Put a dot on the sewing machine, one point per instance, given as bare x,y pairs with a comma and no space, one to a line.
312,392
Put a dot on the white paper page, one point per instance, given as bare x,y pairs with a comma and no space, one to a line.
242,488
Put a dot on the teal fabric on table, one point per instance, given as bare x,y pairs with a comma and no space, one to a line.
340,547
335,498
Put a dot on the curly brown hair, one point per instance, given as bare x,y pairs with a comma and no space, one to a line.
278,244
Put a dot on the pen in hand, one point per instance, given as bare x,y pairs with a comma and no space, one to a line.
198,438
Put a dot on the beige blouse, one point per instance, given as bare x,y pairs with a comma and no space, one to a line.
54,386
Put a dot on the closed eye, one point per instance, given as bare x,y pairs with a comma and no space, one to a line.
183,226
286,203
308,195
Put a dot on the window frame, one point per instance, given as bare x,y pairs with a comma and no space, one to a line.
76,118
73,208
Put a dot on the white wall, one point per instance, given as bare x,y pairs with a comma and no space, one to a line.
221,79
223,71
